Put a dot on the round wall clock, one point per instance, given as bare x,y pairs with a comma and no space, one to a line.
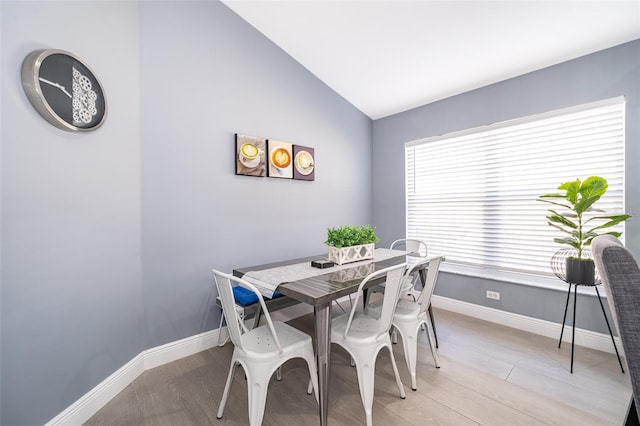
64,90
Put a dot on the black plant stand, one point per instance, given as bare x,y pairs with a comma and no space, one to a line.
573,334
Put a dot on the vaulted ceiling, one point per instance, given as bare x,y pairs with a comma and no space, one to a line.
390,56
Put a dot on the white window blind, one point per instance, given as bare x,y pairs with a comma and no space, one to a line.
472,195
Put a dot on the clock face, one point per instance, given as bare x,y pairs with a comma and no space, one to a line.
64,90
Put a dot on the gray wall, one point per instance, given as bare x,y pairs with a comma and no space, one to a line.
71,309
606,74
108,238
215,76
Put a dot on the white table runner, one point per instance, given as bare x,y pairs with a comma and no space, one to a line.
267,280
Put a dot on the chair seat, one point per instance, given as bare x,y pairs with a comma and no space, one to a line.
405,307
407,310
364,329
260,340
246,297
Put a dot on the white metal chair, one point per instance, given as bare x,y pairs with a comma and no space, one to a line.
415,248
260,351
410,314
411,245
363,336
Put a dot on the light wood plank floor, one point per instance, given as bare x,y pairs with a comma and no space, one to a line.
489,375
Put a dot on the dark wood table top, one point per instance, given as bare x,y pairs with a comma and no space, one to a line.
239,272
329,285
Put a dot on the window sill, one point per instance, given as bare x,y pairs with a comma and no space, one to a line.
532,280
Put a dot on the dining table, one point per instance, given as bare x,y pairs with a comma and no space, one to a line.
319,288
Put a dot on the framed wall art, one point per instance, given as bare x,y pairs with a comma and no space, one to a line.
251,155
280,159
303,163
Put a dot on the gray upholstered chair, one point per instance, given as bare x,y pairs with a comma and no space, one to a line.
620,276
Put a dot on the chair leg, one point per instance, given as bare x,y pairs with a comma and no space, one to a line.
257,399
410,347
434,353
227,386
632,414
313,376
609,328
395,371
433,324
366,378
221,341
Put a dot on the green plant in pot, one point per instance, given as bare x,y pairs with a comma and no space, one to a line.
573,214
346,236
351,243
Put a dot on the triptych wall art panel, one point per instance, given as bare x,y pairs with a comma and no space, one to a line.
280,164
303,163
251,156
277,159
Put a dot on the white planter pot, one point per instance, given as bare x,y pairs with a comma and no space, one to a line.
350,254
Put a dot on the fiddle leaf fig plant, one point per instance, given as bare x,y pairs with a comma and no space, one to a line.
567,215
346,236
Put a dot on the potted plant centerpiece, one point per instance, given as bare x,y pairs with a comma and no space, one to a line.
351,243
575,216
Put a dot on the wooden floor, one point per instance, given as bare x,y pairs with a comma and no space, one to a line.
489,375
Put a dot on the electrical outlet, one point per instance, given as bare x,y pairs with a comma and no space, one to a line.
493,295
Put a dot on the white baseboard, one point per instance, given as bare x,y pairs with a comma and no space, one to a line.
173,351
82,410
89,404
587,338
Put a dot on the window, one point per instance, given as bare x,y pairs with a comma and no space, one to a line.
472,194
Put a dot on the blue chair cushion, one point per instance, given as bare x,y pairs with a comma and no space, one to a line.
245,297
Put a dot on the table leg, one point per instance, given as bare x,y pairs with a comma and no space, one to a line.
323,350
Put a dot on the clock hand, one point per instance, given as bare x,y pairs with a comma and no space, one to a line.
56,85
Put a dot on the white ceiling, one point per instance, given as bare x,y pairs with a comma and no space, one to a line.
390,56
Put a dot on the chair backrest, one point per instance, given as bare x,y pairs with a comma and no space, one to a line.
431,265
394,278
620,276
412,245
235,325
